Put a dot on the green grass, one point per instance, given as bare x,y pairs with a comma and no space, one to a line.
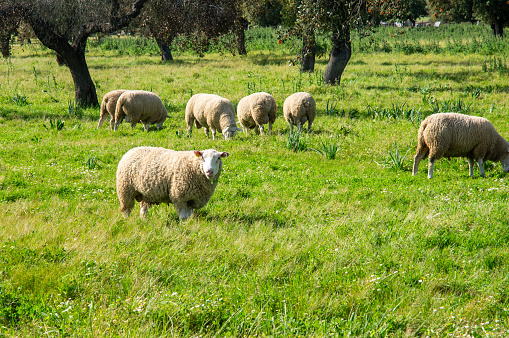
291,244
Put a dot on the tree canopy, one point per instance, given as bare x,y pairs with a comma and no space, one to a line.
493,12
65,26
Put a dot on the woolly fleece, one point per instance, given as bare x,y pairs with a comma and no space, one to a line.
299,108
140,105
255,110
211,111
457,135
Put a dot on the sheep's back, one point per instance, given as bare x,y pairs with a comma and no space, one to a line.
298,105
142,104
110,100
161,175
457,134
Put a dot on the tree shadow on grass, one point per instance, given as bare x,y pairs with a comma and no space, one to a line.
248,219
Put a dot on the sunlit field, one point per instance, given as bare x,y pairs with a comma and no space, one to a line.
298,239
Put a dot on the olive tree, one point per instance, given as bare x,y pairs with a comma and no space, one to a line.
65,26
335,18
493,12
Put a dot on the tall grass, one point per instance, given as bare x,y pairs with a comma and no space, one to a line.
291,244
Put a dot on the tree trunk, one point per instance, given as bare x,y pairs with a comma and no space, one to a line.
338,59
498,28
241,36
165,50
5,45
85,94
307,63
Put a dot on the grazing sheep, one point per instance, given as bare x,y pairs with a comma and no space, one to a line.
255,110
457,135
211,111
152,175
140,105
108,106
299,108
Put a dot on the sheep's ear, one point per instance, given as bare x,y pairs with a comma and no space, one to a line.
197,153
238,129
225,154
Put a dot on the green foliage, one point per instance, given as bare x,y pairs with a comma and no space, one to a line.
19,99
450,106
295,140
55,124
74,110
495,64
394,159
92,162
328,148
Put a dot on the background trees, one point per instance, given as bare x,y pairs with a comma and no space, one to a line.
65,26
493,12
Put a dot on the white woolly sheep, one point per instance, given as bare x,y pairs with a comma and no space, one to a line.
108,105
211,111
255,110
152,175
140,105
299,108
458,135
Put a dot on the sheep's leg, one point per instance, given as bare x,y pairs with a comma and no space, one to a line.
431,164
159,125
421,153
481,166
470,167
213,133
310,123
206,129
183,211
417,159
258,129
146,126
118,120
270,127
144,206
101,120
126,205
112,123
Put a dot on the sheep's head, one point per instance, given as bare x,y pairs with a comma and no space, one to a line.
230,132
504,160
211,162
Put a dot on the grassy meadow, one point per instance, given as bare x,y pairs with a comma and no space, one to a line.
295,241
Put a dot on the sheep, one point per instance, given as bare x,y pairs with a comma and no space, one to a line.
299,108
211,111
108,105
153,175
255,110
457,135
140,105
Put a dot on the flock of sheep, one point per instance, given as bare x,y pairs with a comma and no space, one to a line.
187,179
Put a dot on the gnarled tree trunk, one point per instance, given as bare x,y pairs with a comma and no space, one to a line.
498,28
165,50
338,59
307,63
84,88
240,28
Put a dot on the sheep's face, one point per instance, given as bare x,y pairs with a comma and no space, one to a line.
211,161
505,161
230,132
